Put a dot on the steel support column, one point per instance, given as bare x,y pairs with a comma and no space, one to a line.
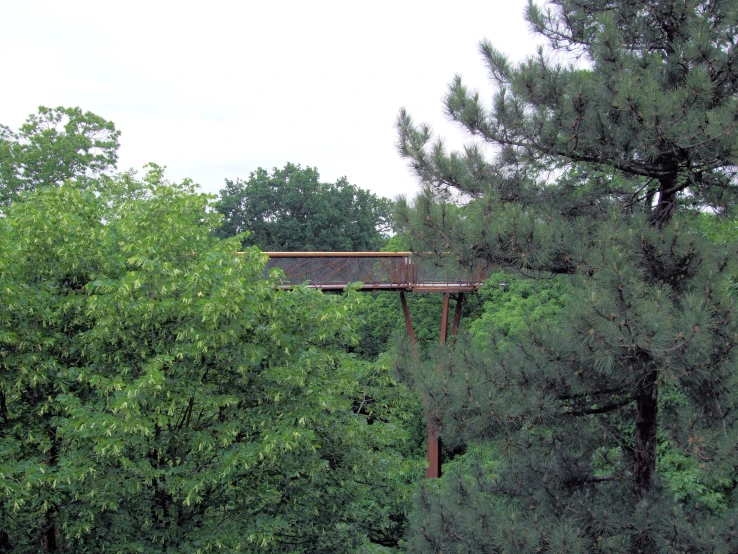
444,318
434,440
433,471
409,324
457,313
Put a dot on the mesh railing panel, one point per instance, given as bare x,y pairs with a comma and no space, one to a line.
375,271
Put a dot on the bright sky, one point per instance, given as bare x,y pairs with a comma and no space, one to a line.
214,89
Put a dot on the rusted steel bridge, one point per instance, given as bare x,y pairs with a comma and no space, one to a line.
398,271
387,271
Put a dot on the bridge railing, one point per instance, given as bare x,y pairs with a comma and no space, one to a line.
376,270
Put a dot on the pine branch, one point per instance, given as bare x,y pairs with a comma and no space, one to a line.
600,410
583,395
591,480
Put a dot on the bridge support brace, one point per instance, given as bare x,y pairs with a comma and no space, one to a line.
433,471
434,440
457,313
409,324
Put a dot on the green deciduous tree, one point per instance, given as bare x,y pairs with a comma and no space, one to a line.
158,394
511,303
53,146
289,209
590,414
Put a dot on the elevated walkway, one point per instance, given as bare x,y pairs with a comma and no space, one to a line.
388,271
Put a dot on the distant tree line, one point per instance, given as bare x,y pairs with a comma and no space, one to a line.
289,209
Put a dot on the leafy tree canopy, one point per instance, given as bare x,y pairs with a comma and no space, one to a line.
157,394
289,209
511,303
54,146
597,173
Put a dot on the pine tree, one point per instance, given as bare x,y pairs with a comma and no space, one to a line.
582,432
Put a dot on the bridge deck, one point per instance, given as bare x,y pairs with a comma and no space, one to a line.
388,271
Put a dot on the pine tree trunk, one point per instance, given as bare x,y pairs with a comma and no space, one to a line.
647,409
666,204
647,394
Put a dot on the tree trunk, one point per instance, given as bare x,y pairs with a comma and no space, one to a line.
666,203
49,537
647,394
50,532
5,544
647,409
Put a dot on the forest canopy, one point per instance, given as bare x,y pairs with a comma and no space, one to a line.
289,209
160,392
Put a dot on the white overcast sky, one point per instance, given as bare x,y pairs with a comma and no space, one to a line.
214,90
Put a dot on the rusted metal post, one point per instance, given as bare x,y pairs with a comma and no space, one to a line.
457,314
444,318
434,440
409,324
434,444
433,471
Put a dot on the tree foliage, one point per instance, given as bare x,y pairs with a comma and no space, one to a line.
289,209
511,303
54,146
590,414
158,394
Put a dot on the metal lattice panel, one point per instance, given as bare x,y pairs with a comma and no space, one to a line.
376,270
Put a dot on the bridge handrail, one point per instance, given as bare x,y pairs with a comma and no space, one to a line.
399,271
338,254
